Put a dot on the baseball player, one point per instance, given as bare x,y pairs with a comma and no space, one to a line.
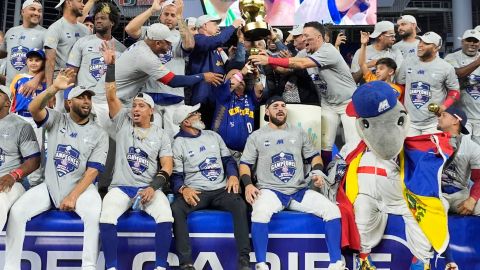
19,155
333,82
59,40
166,98
140,148
427,79
407,30
467,66
278,150
206,176
77,152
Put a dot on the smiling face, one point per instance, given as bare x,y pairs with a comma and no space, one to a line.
312,38
470,46
35,64
426,50
81,105
32,14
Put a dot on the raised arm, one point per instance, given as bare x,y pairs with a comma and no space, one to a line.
188,42
86,9
134,27
114,103
362,57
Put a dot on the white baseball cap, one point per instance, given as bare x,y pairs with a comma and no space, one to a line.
158,31
59,5
477,28
168,3
297,30
28,3
432,38
145,98
409,19
471,33
381,27
5,90
207,18
78,91
182,112
191,21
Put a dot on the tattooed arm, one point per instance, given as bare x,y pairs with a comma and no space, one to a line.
188,42
114,103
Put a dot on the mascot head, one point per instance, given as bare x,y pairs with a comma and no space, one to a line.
382,122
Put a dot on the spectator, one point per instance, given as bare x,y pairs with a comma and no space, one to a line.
205,175
407,30
427,79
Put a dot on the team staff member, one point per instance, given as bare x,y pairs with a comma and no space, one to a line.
407,30
77,152
140,148
278,150
19,155
206,176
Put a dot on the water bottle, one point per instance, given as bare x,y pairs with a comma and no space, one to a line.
137,202
170,197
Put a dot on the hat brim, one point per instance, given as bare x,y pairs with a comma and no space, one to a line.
375,34
35,53
350,110
59,5
86,91
464,130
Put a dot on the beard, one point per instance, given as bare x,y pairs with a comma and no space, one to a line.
79,112
198,125
405,34
77,12
277,122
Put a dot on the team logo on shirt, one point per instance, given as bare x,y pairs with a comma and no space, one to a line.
319,83
66,159
450,173
165,58
2,157
283,166
420,93
18,56
137,160
473,88
210,168
97,68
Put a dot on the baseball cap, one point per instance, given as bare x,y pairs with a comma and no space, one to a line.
191,21
471,33
182,112
28,3
432,38
207,18
460,115
158,31
4,90
60,3
269,102
477,28
296,30
380,27
145,98
168,3
279,33
78,91
372,99
409,19
38,52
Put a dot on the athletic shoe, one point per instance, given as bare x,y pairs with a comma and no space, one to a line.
339,265
261,266
364,264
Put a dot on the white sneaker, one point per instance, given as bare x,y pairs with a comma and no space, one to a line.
261,266
339,265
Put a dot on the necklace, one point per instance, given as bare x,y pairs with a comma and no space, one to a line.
141,133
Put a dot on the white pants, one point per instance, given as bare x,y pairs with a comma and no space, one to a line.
163,117
37,200
473,126
6,201
116,202
455,199
331,117
36,177
313,202
421,130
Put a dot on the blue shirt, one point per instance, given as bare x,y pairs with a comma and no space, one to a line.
19,101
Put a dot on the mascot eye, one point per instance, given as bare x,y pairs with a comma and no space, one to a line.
365,123
401,121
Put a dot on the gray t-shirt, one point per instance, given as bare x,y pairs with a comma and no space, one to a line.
137,160
373,54
332,78
425,83
279,156
18,41
133,69
71,149
470,86
86,56
466,159
61,36
17,142
407,48
199,159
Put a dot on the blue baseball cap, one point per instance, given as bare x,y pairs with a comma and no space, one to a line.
36,52
461,116
372,99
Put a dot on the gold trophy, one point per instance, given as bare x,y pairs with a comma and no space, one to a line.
434,108
253,12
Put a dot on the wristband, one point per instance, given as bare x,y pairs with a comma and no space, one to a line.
452,97
180,190
238,76
17,174
279,62
159,180
246,179
110,73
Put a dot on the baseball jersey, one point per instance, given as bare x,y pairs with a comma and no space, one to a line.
137,159
17,143
133,69
425,83
332,78
199,159
61,36
466,159
279,155
374,54
19,101
18,41
86,56
71,149
323,11
407,48
469,86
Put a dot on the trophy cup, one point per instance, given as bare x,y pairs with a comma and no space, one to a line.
434,108
253,12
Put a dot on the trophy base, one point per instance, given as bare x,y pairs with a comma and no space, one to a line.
256,30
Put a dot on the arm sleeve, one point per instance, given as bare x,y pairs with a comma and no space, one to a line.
307,147
250,153
28,142
99,154
154,67
205,44
52,36
75,56
230,166
182,80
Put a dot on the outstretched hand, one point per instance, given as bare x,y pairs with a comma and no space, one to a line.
108,52
64,78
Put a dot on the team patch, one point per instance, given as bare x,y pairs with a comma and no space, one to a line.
420,93
283,166
137,160
473,88
319,83
165,58
18,57
2,157
210,168
66,159
97,68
